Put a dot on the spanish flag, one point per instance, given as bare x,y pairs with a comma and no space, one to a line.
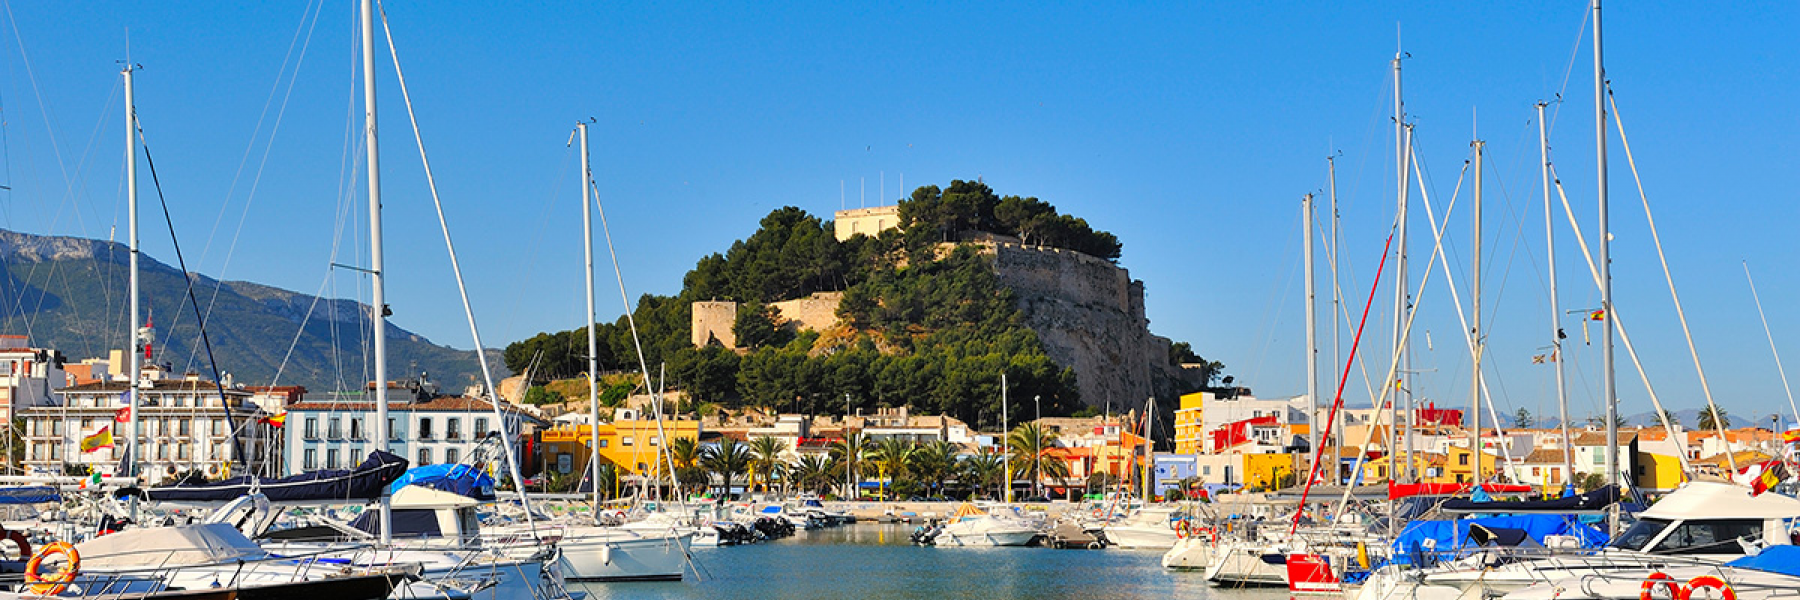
1597,315
1773,473
277,420
100,439
1790,436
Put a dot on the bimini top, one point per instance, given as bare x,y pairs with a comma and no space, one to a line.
206,544
967,510
1712,500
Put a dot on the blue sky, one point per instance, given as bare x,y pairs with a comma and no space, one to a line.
1190,131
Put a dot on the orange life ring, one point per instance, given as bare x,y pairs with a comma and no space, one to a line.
1182,529
1709,581
56,582
1676,591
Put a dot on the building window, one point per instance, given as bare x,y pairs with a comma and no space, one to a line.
311,461
1536,471
603,443
393,430
86,424
356,429
452,455
334,431
56,452
331,459
56,427
481,427
453,430
312,428
182,426
625,441
1462,459
425,429
424,456
218,427
162,451
1206,470
182,451
655,441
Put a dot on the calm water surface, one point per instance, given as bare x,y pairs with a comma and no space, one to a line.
878,561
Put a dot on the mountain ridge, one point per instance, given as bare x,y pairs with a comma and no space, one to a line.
68,293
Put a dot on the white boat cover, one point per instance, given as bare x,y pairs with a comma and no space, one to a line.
168,546
1711,500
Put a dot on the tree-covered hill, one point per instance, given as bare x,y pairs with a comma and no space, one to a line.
920,327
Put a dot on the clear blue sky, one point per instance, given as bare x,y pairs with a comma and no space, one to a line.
1190,132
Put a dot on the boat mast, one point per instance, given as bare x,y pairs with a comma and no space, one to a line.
135,362
379,296
1005,441
1337,342
1475,328
593,360
1556,333
1312,330
1610,392
1401,154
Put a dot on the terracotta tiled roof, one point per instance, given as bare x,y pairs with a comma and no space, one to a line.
1547,456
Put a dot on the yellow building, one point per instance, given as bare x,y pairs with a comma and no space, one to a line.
630,443
1458,468
1269,471
1190,424
1658,472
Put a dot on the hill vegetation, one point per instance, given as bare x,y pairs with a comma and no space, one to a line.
921,327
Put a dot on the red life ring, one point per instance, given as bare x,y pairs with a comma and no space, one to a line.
1659,578
1709,581
54,583
1182,529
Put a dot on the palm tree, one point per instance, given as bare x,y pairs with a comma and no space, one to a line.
727,460
891,455
934,462
1716,418
765,455
983,470
1674,419
1030,445
812,473
685,452
847,454
608,481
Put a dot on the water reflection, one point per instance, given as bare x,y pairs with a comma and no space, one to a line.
878,561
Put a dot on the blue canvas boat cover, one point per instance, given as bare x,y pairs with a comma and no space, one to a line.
1781,559
365,482
29,495
1445,538
462,480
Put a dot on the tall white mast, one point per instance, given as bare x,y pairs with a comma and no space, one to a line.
1005,441
1401,155
1312,330
135,362
1337,342
593,352
377,275
1556,333
1475,333
1610,392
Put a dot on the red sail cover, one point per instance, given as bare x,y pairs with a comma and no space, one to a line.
1397,491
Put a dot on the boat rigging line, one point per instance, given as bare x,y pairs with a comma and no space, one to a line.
1771,336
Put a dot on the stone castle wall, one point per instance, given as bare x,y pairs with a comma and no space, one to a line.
817,312
711,323
1089,314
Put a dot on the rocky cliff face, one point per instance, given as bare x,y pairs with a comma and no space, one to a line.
1089,314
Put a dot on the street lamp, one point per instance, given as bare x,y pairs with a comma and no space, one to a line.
1038,461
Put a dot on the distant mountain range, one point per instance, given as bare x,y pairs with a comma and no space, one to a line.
70,294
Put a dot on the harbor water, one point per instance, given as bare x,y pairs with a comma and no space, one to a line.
878,562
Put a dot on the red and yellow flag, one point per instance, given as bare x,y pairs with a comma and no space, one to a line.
1790,436
277,420
100,439
1773,472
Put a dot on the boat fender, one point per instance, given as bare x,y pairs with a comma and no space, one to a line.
606,554
1660,578
1709,581
54,583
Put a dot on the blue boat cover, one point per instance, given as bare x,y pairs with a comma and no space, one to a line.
1448,537
29,495
462,480
1781,559
365,482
